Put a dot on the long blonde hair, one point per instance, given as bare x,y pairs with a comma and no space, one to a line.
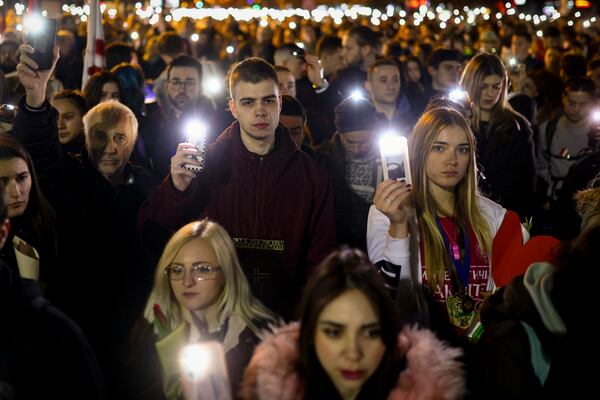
236,297
466,211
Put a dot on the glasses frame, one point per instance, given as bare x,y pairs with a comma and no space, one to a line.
176,84
214,268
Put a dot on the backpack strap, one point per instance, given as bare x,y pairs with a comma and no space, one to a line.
539,359
549,134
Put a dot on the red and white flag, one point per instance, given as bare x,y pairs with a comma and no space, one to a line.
95,59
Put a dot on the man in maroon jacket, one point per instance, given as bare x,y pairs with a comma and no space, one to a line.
273,199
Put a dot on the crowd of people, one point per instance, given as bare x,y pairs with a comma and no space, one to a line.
231,188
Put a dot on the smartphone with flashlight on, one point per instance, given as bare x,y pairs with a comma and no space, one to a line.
515,67
41,36
196,133
394,157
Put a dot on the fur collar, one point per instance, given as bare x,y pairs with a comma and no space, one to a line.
432,372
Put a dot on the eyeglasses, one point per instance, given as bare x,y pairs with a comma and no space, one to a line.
200,272
177,84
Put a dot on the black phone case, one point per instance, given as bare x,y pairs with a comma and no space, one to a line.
43,44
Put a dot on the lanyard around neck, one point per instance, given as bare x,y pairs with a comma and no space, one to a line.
462,267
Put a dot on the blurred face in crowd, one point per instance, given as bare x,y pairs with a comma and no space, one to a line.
351,51
491,89
550,41
446,75
296,65
528,87
16,178
332,62
295,125
520,47
287,83
264,34
110,91
9,56
348,342
110,144
552,59
384,84
448,159
413,72
70,123
256,106
196,278
358,144
308,34
184,86
577,105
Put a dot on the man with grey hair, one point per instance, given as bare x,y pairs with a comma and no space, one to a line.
101,282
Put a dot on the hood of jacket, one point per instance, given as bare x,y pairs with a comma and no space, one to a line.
432,368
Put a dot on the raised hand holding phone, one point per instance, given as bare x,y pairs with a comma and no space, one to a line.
189,158
41,35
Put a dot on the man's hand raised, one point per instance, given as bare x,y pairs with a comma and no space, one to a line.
182,177
32,78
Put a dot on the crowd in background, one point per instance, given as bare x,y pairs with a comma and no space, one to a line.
143,239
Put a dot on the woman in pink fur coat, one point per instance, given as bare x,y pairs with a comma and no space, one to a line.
349,345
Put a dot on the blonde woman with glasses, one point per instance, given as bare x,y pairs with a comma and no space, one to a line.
200,293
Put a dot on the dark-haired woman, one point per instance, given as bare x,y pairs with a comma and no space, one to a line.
349,345
31,246
504,138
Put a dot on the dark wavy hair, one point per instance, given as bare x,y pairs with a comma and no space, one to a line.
93,88
40,213
345,270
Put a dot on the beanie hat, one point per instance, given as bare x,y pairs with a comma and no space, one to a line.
440,55
355,114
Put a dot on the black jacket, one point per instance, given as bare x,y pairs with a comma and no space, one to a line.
103,281
506,161
351,210
43,353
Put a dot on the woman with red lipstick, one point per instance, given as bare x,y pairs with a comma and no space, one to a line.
505,152
32,242
438,232
200,293
349,345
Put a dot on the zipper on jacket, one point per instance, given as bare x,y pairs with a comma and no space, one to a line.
258,188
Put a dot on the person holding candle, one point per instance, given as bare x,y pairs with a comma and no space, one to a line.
349,345
200,293
439,231
32,243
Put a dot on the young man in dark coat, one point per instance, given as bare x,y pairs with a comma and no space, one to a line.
273,199
103,284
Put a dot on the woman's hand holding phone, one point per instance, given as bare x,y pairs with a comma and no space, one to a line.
393,199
